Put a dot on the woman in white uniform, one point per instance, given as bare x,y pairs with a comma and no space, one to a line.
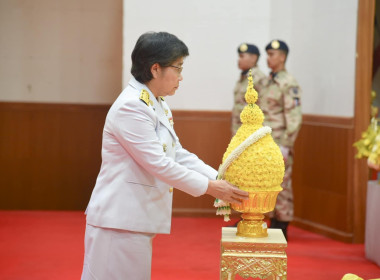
142,160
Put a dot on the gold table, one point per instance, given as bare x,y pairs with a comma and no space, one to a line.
263,258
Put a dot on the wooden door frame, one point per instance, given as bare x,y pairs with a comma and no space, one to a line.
363,87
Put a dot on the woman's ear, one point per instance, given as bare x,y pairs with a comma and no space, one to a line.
155,70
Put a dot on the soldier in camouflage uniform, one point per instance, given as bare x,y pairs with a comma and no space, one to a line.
248,56
279,99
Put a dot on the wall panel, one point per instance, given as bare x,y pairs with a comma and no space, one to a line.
206,134
49,154
50,157
321,178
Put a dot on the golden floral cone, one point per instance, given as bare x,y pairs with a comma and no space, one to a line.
259,169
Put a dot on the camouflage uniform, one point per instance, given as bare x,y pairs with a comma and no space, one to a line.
239,92
279,99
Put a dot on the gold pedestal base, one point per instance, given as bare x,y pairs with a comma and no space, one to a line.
259,202
263,258
252,225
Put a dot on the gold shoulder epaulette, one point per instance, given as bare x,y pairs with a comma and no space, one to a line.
144,97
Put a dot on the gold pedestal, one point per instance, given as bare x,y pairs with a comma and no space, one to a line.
263,258
252,223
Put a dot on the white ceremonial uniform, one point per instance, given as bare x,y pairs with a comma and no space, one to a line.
142,159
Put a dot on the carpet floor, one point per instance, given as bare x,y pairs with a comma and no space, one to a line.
39,245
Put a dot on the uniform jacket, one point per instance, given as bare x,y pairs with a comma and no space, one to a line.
280,101
142,159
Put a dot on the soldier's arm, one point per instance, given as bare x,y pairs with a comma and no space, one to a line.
293,115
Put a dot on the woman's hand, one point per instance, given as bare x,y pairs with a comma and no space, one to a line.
225,191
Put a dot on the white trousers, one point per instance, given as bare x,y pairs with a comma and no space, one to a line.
112,254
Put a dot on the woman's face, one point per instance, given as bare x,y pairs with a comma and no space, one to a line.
169,78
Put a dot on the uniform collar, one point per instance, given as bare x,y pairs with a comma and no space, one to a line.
157,105
273,75
137,85
245,72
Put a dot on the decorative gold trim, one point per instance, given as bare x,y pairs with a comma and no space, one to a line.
253,267
257,258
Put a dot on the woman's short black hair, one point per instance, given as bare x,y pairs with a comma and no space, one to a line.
155,47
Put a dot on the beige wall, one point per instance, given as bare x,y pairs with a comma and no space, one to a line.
321,35
60,51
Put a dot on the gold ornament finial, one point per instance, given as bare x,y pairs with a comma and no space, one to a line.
251,94
251,113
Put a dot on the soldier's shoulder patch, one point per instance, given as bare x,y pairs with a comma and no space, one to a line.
294,91
296,95
144,97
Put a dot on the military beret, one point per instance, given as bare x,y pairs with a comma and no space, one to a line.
248,48
277,45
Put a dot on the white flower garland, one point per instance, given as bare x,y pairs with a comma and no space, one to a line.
224,207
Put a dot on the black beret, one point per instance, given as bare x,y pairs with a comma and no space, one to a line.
277,45
248,48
